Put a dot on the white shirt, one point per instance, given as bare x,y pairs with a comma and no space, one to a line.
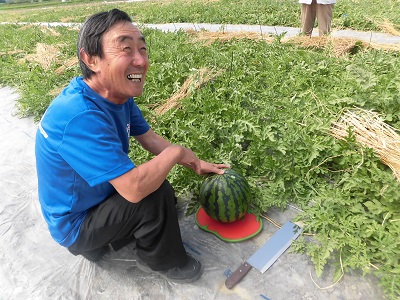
318,1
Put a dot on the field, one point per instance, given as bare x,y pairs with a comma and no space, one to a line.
264,105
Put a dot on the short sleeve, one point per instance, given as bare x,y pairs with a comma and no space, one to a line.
93,149
139,125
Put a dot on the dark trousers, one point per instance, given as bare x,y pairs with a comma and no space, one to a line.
152,222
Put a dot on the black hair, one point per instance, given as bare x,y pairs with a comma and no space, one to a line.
91,32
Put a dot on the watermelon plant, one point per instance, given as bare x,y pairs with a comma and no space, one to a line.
268,115
359,15
226,197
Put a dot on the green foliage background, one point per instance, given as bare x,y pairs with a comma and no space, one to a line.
362,15
267,114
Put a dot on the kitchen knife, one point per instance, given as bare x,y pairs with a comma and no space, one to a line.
264,257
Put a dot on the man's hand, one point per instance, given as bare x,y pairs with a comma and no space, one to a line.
207,168
201,167
156,144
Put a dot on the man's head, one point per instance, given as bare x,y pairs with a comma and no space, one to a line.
112,55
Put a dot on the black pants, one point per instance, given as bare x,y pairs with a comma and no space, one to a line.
153,222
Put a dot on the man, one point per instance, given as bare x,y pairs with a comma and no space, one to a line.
92,195
321,10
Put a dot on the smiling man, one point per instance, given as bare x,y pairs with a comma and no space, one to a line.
92,195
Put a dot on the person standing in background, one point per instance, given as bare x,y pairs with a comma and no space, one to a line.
321,10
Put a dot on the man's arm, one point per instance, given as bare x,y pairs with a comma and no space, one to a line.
155,144
144,179
152,142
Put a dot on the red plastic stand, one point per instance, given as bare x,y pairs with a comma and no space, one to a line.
237,231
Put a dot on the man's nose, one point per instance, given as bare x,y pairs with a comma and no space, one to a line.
139,59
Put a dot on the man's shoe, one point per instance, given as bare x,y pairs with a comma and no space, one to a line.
190,272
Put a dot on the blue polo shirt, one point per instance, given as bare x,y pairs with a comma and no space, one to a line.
82,143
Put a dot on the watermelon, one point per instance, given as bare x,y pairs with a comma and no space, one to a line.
226,197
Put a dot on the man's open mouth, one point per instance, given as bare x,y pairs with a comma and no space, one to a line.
135,77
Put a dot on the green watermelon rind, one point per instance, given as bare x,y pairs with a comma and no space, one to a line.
216,194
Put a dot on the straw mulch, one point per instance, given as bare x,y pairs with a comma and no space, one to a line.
48,55
45,55
338,46
69,63
208,37
370,131
387,27
193,82
389,47
11,52
49,31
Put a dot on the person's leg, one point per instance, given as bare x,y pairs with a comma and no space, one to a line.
158,237
308,15
152,222
324,16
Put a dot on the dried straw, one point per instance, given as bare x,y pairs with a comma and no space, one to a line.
386,26
370,130
45,55
49,30
339,46
388,47
11,52
195,81
71,62
208,37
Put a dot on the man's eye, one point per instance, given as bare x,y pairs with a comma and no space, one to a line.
127,48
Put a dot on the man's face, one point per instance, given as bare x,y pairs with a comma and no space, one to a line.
121,72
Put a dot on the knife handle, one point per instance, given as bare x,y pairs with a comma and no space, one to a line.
236,276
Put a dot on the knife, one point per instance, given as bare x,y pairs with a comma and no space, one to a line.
264,257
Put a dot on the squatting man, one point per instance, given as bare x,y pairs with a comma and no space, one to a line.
91,193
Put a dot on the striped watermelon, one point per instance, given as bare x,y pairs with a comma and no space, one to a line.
225,198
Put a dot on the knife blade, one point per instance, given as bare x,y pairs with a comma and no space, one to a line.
264,257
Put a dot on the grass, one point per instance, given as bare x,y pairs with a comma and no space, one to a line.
359,15
268,113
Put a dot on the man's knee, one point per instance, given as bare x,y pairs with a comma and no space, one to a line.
164,195
167,187
165,191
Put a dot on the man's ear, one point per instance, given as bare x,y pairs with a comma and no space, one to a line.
89,60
